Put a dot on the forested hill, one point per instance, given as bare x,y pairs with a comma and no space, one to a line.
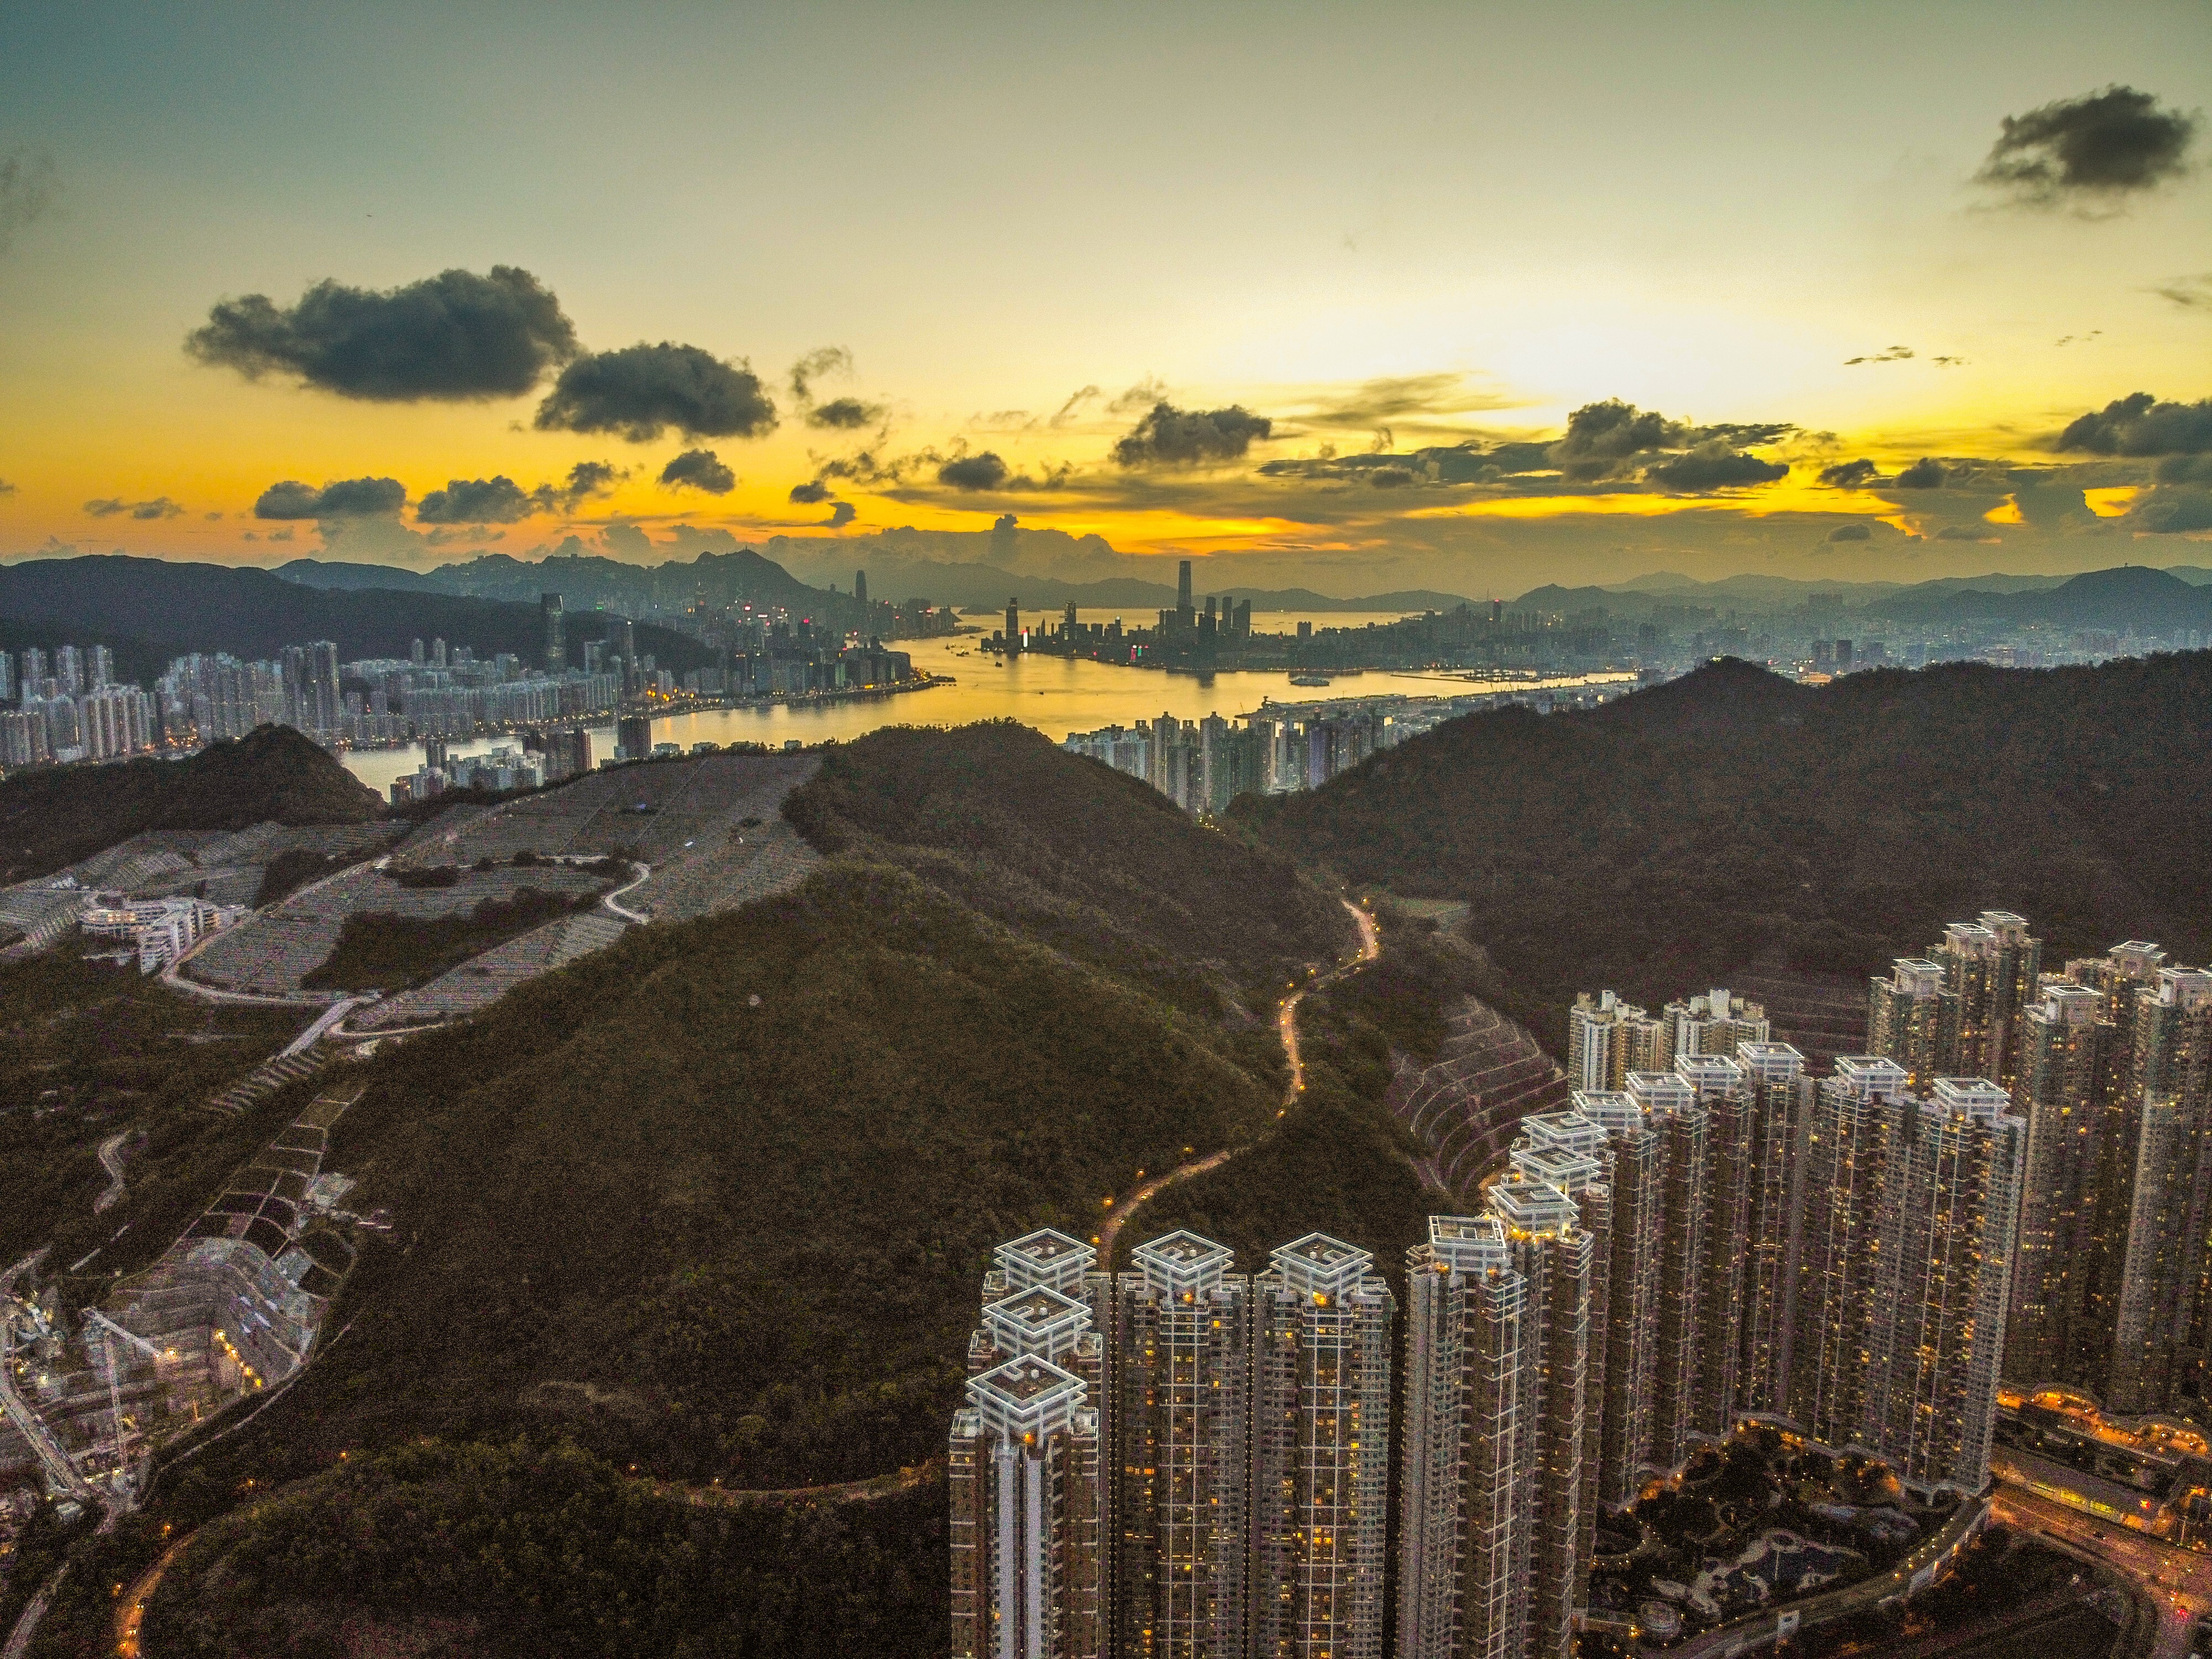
713,1205
53,816
1673,837
1094,863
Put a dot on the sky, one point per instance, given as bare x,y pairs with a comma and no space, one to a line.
1463,296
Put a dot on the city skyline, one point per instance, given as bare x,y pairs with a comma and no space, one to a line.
1499,355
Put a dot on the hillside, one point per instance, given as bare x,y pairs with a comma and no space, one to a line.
2125,597
712,1204
52,817
1092,862
155,606
1676,836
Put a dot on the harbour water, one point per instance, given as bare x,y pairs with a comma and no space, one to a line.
1053,694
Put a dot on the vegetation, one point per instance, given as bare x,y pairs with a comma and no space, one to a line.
380,951
91,1049
55,816
1093,863
294,868
437,1550
1671,838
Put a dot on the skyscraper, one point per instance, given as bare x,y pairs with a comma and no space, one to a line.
1912,1018
1013,626
1672,1106
1182,1362
860,585
1781,1097
1607,1039
557,638
1629,1326
1186,613
2053,1333
2161,1312
1713,1024
1320,1452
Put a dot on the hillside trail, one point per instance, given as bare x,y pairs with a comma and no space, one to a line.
1286,1028
132,1610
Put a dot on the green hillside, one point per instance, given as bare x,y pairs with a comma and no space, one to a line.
52,817
1670,839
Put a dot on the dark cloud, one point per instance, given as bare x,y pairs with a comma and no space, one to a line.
829,360
1851,533
1850,475
1407,397
6,489
700,469
111,507
1948,363
844,414
453,337
1609,440
1963,532
1893,354
343,498
1922,474
984,470
810,493
27,191
2193,293
639,391
2098,147
497,500
2184,469
841,515
1714,466
586,480
1168,436
2171,511
2141,425
1390,477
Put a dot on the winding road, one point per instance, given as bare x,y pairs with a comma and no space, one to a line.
1286,1027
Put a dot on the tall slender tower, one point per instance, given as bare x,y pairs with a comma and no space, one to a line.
1320,1452
2052,1335
1781,1097
1673,1109
1912,1018
2162,1313
1727,1098
1460,1593
1950,1208
1183,1364
556,638
1023,1475
1630,1323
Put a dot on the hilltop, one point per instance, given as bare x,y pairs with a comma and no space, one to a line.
53,816
1670,839
160,609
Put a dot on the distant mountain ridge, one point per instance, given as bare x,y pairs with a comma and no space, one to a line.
168,609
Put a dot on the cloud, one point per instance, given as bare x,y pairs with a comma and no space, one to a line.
1401,399
27,191
6,489
344,498
587,480
842,514
2184,469
1850,475
812,493
829,360
452,337
1851,533
699,469
1894,355
844,414
1923,474
1168,436
2192,293
1965,532
1948,363
2141,425
1065,413
1608,440
111,507
984,470
475,500
1148,391
1714,466
2169,512
638,391
2098,149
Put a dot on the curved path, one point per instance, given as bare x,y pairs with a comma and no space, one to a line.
1286,1027
110,1159
644,874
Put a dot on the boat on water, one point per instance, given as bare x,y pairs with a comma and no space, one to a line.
1309,679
